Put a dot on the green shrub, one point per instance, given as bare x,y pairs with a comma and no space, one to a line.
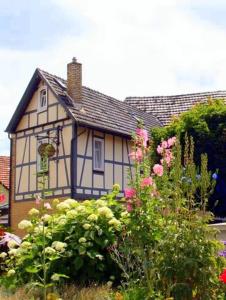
168,234
74,239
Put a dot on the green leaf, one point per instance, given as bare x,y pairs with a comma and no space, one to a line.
78,262
32,269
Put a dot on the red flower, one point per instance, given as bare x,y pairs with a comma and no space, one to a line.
222,276
2,198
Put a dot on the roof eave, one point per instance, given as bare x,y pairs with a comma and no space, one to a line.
23,103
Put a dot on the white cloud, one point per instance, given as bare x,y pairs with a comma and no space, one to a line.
128,48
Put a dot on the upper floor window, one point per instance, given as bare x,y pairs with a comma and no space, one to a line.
98,153
42,100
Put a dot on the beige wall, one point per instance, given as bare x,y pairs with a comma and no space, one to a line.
33,117
33,124
116,163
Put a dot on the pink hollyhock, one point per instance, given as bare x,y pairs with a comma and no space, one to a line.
136,155
129,207
158,169
171,141
160,149
143,134
146,182
164,144
38,199
47,206
130,193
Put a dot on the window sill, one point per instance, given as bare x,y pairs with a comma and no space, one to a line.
98,171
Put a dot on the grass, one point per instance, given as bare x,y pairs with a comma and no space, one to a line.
67,293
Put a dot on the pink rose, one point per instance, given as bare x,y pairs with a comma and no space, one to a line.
136,155
130,192
171,141
47,206
159,149
146,182
158,169
129,207
143,134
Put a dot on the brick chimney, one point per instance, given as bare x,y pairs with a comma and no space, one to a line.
74,80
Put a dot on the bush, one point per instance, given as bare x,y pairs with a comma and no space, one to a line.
70,244
206,123
168,232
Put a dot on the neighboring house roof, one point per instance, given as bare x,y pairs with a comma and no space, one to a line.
164,107
95,109
4,170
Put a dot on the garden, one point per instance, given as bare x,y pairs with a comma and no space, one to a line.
154,243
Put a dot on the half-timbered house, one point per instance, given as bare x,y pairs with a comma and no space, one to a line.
89,134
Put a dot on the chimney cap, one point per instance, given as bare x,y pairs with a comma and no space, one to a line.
74,59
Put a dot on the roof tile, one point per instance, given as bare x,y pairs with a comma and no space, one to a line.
99,110
4,170
165,107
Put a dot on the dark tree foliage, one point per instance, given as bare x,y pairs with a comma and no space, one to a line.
206,123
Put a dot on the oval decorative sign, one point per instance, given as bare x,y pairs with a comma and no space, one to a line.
46,149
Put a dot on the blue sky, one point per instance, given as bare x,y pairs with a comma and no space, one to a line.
127,47
34,25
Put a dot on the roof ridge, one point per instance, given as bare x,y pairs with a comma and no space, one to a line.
176,95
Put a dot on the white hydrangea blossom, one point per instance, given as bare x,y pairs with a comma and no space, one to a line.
33,212
46,218
13,252
71,214
49,250
86,202
12,244
92,217
3,255
71,202
25,225
40,229
11,272
106,212
99,256
59,246
55,277
114,222
86,226
100,203
25,245
124,214
63,206
80,208
82,240
62,220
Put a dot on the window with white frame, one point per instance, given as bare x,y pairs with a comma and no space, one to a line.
42,105
42,161
98,154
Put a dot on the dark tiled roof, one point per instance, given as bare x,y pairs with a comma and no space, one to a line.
99,110
4,170
164,107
